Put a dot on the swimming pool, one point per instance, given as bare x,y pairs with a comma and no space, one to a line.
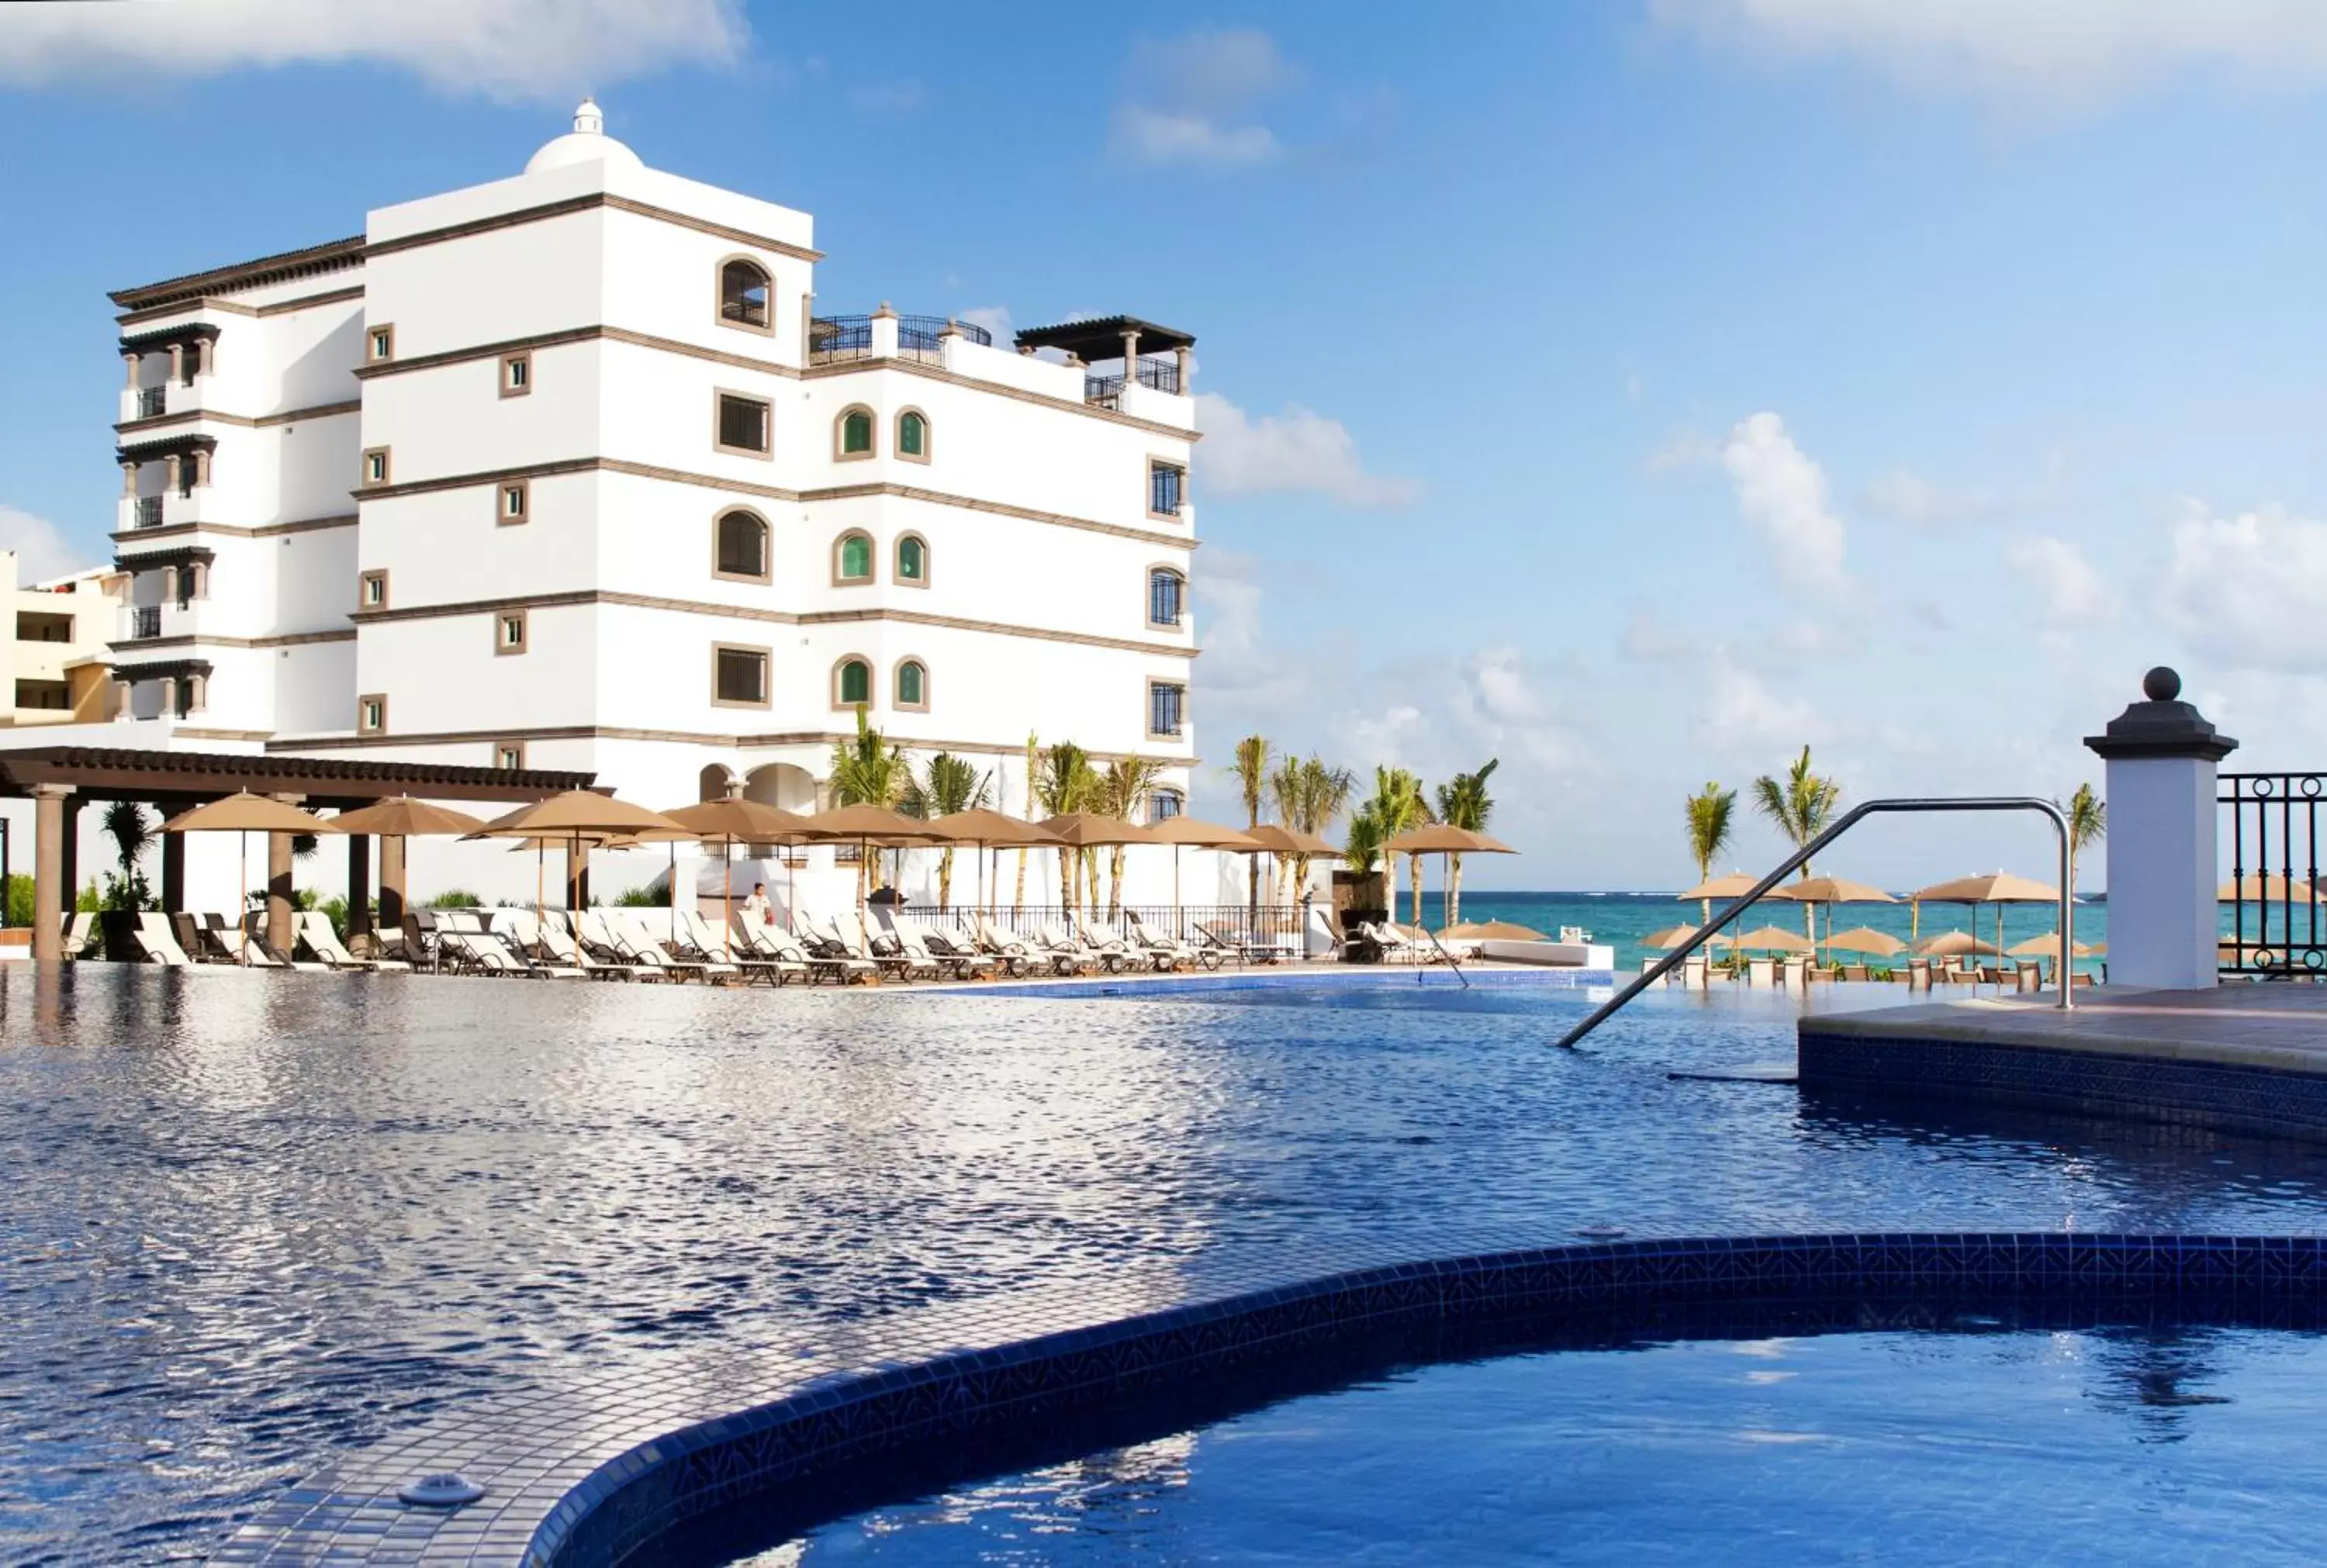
258,1229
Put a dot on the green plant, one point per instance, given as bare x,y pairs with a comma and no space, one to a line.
867,771
18,909
456,899
947,784
88,901
335,909
2087,815
1462,802
124,822
1801,807
1394,807
1250,770
1123,789
1712,818
1309,794
1067,782
643,898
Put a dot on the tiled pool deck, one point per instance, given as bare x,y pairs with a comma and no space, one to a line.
2242,1057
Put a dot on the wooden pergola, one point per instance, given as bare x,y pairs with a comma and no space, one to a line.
59,779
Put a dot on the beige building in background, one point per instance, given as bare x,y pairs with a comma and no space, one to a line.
54,660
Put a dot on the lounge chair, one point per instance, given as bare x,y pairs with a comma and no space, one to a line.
156,944
669,950
1760,972
1695,973
1210,940
313,930
1854,972
522,934
780,946
956,943
1210,955
81,934
895,964
1063,939
700,942
932,947
599,940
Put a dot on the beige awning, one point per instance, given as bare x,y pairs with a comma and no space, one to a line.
244,812
1736,884
991,830
2048,946
402,817
1491,931
1667,939
743,821
865,823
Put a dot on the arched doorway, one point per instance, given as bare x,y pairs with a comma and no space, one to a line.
784,785
711,783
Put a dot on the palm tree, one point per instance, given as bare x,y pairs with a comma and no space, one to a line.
1711,812
1065,782
867,771
1801,807
1395,806
1123,789
124,822
1462,802
1309,801
1032,745
2087,815
947,784
1253,756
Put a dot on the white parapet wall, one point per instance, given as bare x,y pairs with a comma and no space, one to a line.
2162,757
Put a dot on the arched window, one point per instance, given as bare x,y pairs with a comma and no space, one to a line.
741,546
744,294
1164,804
1167,597
912,685
914,435
914,561
852,558
853,436
852,683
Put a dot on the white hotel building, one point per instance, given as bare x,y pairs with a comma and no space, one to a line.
569,471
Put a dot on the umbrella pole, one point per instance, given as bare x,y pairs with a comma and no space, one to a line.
242,899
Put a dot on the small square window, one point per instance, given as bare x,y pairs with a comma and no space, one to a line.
739,676
1167,703
375,466
508,632
516,505
371,591
517,375
379,344
510,755
371,714
741,425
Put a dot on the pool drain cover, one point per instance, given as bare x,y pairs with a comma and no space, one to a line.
447,1490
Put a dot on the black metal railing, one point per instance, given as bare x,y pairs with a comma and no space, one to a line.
147,513
1263,925
832,340
2275,922
152,401
145,621
1162,374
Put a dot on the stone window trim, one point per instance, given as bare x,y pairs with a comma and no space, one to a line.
720,398
1147,584
508,755
840,453
840,667
723,305
516,374
840,549
897,444
897,561
1156,798
512,632
371,713
512,503
378,470
1154,686
372,590
897,684
1160,464
379,342
765,576
766,656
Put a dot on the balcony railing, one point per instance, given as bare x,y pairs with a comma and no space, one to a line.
152,401
832,340
145,621
2273,923
1264,925
147,513
1156,375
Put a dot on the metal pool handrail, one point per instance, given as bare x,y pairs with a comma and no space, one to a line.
1448,958
1818,846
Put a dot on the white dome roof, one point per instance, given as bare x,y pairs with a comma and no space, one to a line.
586,143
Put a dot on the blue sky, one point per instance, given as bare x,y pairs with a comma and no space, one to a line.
1634,391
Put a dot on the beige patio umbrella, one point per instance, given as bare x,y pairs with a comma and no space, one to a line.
1831,890
1998,888
988,830
244,813
727,820
1495,931
2268,887
867,826
1867,940
1177,831
401,816
1092,830
1666,938
1774,939
1732,885
1954,945
573,818
1444,839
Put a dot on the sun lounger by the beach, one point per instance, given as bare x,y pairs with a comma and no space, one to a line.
780,947
80,933
1210,940
897,963
155,942
313,932
921,941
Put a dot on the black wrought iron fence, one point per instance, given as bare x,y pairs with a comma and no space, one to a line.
1273,924
2273,923
1162,374
834,338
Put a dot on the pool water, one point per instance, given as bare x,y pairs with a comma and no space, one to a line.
2130,1447
251,1222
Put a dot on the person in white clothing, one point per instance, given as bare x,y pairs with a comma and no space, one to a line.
756,908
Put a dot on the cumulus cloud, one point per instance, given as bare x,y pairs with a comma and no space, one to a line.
502,49
1908,499
1783,492
1741,714
2072,592
1297,450
2251,589
1194,99
995,319
40,549
2047,55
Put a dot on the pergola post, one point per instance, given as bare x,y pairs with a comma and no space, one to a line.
278,885
391,881
577,875
173,872
69,878
359,884
48,826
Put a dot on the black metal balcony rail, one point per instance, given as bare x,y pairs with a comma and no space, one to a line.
1162,374
152,401
147,512
2276,924
145,621
832,340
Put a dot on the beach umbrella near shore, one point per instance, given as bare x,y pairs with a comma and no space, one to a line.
573,818
243,814
988,830
1998,888
1953,945
1177,831
2268,887
729,818
867,826
1866,941
1773,939
1665,938
1280,842
1441,838
1831,890
1493,932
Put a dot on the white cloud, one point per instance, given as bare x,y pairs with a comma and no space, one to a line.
41,550
1297,450
995,319
1783,492
1903,497
2072,592
2044,54
1743,715
502,49
2251,589
1193,97
1648,640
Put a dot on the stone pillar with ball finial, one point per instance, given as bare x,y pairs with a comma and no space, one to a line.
2162,756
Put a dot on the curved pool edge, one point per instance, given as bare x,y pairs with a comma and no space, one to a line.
825,1430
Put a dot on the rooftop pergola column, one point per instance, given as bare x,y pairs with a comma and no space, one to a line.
1130,356
278,885
129,358
50,823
